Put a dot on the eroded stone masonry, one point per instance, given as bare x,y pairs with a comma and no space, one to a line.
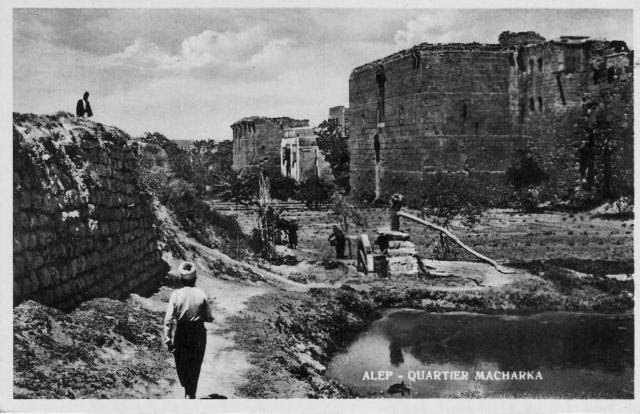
256,141
82,226
469,107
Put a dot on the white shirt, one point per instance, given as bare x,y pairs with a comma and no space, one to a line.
186,304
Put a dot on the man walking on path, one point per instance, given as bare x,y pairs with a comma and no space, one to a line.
83,107
188,310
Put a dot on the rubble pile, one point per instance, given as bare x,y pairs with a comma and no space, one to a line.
105,348
82,227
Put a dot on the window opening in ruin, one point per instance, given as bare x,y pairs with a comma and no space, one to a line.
540,103
377,166
415,55
520,59
596,76
532,106
376,147
531,65
611,74
381,80
572,60
539,64
512,59
559,81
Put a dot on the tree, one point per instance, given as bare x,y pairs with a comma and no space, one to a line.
336,151
283,188
314,191
606,153
345,212
525,171
450,195
241,188
524,175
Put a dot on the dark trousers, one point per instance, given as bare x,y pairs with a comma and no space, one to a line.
190,342
340,248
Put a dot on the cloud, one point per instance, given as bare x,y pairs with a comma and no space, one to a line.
449,26
250,54
140,54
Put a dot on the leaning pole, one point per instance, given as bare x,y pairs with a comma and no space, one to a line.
456,240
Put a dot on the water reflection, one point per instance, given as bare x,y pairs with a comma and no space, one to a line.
577,355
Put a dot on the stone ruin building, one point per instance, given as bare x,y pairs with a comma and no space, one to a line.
301,158
469,107
283,145
338,115
256,141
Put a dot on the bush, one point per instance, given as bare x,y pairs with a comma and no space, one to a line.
241,188
525,171
526,176
345,212
198,218
450,195
315,191
336,151
283,188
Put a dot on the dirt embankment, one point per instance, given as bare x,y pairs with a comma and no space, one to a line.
291,337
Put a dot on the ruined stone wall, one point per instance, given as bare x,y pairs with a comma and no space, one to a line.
443,110
549,83
82,227
256,141
471,107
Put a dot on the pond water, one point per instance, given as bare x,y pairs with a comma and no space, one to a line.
547,355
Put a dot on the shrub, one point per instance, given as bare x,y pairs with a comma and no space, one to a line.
450,195
199,219
314,191
334,146
283,188
345,212
525,171
606,153
526,177
241,188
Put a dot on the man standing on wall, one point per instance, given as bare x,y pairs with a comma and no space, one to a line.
83,107
189,309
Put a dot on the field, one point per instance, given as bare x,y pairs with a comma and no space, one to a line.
506,236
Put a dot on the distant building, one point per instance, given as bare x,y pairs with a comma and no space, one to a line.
300,157
338,116
256,141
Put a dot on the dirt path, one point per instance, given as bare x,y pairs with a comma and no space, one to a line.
224,364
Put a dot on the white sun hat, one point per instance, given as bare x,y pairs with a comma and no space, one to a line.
187,271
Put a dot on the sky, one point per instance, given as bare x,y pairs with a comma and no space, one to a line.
190,73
